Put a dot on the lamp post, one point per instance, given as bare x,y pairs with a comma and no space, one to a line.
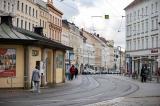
119,49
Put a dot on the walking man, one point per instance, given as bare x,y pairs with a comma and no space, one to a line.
36,79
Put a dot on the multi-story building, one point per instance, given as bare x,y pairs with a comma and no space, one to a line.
55,22
43,15
108,54
143,35
76,41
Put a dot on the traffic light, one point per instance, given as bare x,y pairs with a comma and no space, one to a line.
106,16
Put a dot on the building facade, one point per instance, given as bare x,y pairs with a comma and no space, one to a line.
143,35
30,17
55,22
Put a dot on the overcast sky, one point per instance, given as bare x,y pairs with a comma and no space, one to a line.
83,12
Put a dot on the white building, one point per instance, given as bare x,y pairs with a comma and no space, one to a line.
143,35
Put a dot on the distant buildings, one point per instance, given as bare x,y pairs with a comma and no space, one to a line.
143,35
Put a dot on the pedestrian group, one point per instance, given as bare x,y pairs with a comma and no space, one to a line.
72,73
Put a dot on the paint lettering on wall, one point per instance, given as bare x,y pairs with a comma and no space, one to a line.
7,62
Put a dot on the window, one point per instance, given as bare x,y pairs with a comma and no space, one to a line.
25,24
12,8
135,15
21,23
156,41
146,25
36,13
138,43
4,5
33,27
156,7
33,12
40,22
152,42
142,13
152,8
17,5
127,19
146,10
157,23
43,23
131,30
29,26
146,43
29,10
26,9
17,22
130,17
138,13
134,44
152,24
22,7
53,19
142,26
130,44
142,43
134,29
8,6
138,28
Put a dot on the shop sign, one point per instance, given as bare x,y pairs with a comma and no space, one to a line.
35,52
7,62
154,51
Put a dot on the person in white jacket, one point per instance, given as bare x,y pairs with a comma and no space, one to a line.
36,79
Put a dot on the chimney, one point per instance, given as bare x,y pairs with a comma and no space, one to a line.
97,35
7,20
38,30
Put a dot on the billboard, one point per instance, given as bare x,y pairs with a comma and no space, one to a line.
7,62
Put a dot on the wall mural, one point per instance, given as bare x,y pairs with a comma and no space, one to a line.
7,62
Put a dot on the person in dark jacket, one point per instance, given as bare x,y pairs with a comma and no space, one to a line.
76,72
143,74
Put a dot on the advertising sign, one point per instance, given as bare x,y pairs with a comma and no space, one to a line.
7,62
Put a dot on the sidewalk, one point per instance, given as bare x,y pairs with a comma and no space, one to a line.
147,95
10,93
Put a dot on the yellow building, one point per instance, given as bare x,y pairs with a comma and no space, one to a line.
21,50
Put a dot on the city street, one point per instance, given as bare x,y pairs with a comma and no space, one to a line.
89,90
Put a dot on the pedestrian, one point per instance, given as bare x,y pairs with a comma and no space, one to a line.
143,74
76,72
72,71
158,74
36,79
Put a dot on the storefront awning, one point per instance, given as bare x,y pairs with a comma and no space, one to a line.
14,35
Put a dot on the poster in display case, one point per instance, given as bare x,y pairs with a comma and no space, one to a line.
7,62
